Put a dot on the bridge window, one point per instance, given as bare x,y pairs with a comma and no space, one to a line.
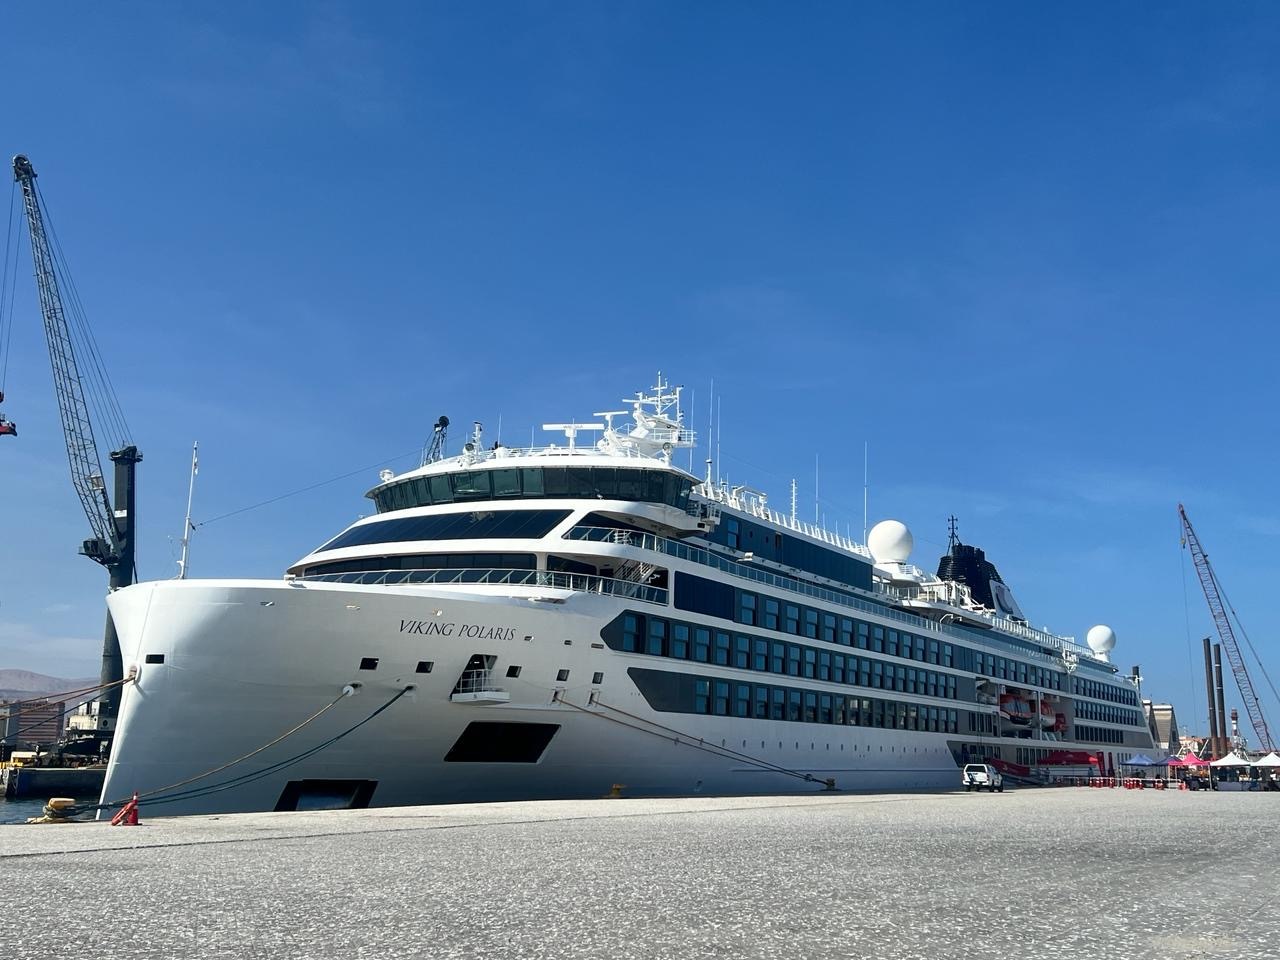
476,525
658,485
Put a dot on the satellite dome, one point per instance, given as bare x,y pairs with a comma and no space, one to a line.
1101,639
890,542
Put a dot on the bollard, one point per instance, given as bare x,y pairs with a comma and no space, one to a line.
128,814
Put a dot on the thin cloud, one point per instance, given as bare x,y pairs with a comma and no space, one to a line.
327,60
26,647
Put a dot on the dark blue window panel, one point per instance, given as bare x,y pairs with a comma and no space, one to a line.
452,526
704,596
656,485
767,544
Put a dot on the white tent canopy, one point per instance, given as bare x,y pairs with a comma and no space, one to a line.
1272,759
1232,759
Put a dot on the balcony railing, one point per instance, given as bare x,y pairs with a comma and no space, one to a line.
552,579
684,551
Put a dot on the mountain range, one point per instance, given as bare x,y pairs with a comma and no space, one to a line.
25,685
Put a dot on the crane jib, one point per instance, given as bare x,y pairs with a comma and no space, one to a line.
1222,621
111,512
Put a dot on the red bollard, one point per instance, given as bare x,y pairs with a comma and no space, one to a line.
128,814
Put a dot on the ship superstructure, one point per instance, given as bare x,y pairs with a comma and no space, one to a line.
586,617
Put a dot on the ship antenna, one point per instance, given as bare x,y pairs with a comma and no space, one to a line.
693,397
952,537
711,430
866,445
815,490
188,527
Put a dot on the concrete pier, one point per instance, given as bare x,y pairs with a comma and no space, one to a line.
1026,874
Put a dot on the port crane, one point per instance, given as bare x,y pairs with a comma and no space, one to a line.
111,516
1218,609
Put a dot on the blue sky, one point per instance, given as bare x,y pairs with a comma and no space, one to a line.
1028,255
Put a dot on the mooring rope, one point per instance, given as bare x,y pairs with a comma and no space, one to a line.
45,698
698,743
157,796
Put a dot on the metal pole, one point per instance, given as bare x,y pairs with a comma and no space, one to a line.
187,527
1222,711
1213,709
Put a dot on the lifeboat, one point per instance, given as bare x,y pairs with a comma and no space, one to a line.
1015,709
1048,717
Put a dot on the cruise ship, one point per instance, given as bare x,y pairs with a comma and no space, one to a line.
588,619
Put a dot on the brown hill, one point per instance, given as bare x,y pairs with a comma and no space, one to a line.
24,685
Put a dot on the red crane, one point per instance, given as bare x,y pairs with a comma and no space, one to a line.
1212,593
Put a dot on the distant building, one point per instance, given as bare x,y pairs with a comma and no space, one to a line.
31,724
1164,726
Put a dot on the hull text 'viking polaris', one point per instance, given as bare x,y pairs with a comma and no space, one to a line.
579,619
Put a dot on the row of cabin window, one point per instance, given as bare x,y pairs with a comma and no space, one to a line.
1106,713
1088,734
1103,691
802,554
726,698
659,637
774,614
1016,671
609,483
982,723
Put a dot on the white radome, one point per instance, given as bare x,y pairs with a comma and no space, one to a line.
1101,639
890,542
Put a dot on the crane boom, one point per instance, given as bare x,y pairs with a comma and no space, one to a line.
77,428
1218,609
114,528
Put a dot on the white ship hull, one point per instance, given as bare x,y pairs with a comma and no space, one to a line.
245,661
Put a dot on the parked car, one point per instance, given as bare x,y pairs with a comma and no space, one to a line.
979,775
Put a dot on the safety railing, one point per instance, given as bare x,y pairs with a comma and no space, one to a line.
684,551
553,579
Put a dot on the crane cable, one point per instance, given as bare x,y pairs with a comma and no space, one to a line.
12,242
1257,659
1186,612
98,382
294,493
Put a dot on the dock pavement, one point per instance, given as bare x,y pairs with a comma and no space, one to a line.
1027,874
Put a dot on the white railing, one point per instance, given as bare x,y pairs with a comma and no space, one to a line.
554,579
477,681
755,503
685,551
